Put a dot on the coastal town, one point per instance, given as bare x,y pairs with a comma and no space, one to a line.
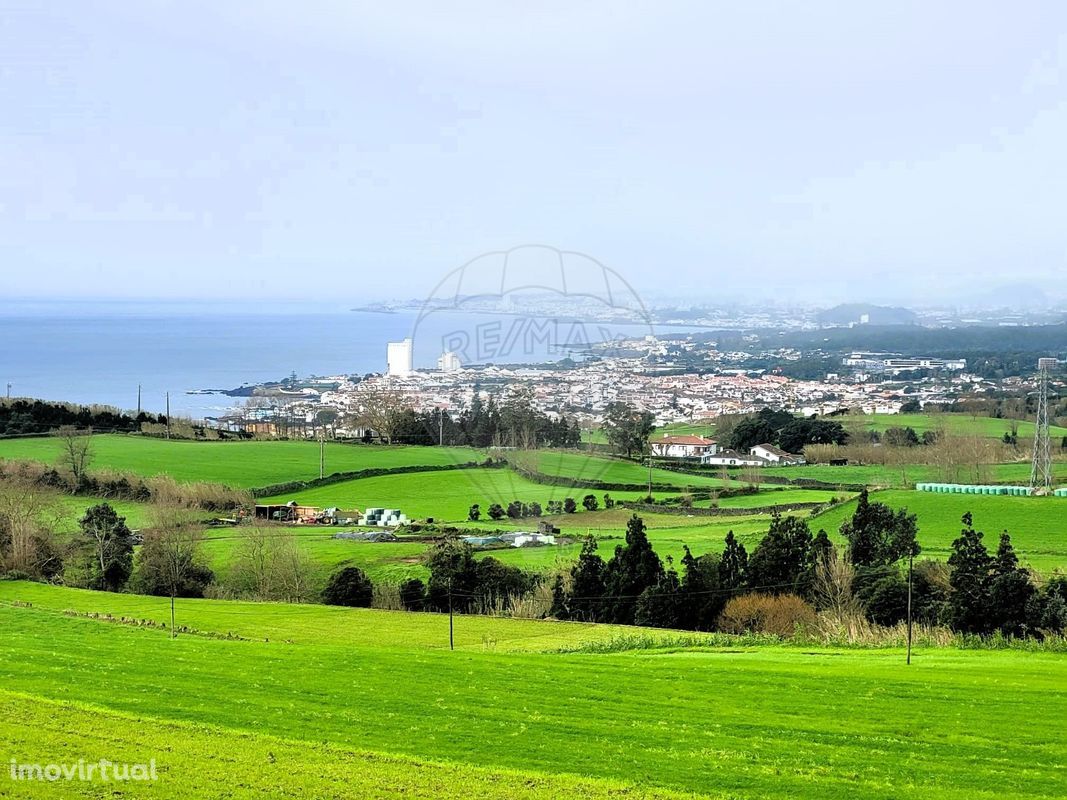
676,380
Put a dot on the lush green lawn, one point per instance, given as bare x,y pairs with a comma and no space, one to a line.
907,475
240,464
1038,525
958,424
445,496
586,466
740,722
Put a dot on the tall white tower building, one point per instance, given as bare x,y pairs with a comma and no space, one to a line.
448,362
398,356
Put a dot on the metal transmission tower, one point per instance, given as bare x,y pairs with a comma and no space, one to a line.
1041,466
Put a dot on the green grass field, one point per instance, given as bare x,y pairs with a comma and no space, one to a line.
1038,525
952,423
373,704
587,466
239,464
445,496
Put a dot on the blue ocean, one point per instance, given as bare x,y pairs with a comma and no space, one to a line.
99,352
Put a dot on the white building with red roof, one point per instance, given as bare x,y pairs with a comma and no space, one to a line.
687,446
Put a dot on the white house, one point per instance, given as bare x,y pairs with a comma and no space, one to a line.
683,446
775,455
731,458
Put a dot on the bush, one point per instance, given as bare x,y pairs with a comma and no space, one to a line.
589,502
569,506
349,587
496,511
413,595
779,615
887,603
475,513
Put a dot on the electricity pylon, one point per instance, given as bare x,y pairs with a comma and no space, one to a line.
1041,466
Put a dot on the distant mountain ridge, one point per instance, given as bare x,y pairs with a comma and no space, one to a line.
866,314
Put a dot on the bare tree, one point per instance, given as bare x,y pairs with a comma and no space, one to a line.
379,408
28,521
170,561
270,566
77,451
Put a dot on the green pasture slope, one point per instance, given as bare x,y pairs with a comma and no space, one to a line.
1038,525
445,496
952,423
245,464
373,704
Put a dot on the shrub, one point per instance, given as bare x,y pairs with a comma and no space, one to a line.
413,595
569,506
475,513
780,615
496,511
534,509
349,587
589,502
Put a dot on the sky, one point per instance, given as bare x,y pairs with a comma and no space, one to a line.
347,151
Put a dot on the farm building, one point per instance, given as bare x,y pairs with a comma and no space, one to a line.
731,458
683,446
775,455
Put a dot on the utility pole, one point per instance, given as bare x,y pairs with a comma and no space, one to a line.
168,416
173,633
322,453
911,564
440,428
451,639
138,399
1041,463
9,391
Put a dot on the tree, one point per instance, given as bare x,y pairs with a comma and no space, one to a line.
413,594
475,513
589,502
912,406
971,563
662,604
887,601
29,517
268,565
633,568
349,586
514,510
534,509
1010,590
702,592
170,562
900,437
585,600
110,544
496,511
627,429
784,561
569,506
750,432
77,450
878,536
453,576
733,565
380,409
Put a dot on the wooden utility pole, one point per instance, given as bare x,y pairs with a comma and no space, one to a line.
9,391
173,633
138,399
322,453
911,564
440,427
168,416
451,639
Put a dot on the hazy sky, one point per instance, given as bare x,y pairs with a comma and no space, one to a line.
343,150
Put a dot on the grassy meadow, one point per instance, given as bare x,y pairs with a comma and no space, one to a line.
952,423
354,703
245,464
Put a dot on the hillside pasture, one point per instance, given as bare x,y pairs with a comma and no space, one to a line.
1038,525
240,464
737,721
